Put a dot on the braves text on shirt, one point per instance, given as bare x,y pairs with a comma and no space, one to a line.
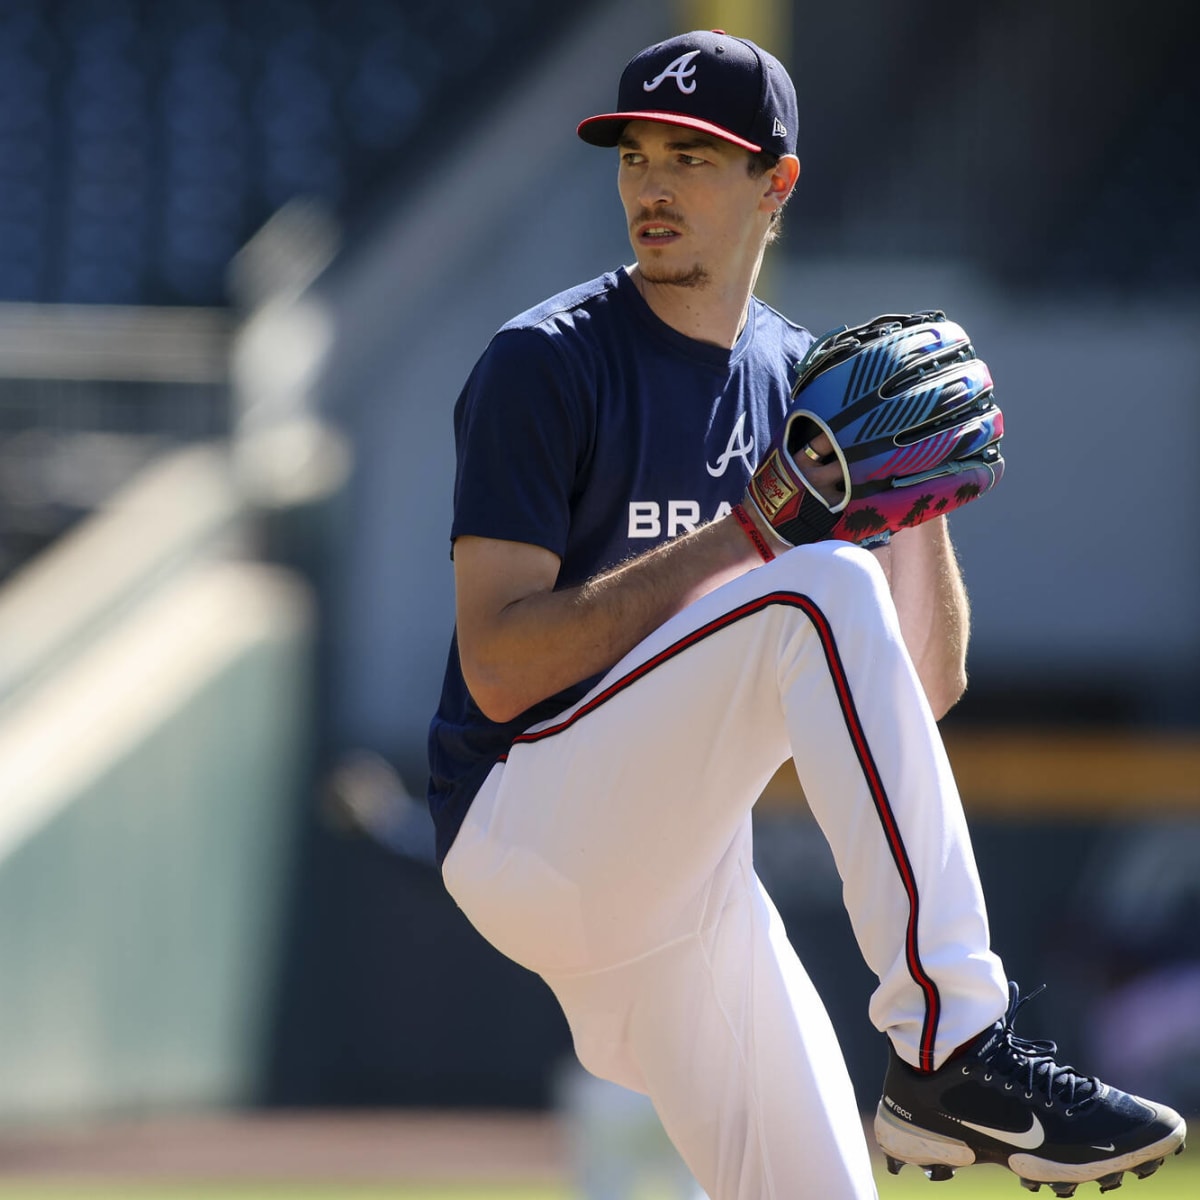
646,517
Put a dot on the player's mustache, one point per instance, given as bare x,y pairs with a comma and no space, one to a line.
667,215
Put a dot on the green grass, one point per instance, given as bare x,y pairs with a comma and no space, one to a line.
1179,1179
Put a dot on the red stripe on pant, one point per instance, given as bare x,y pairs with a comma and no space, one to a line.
862,750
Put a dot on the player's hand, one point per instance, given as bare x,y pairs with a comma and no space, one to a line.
906,407
796,492
823,472
892,423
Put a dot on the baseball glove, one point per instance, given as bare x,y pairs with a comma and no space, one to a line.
908,408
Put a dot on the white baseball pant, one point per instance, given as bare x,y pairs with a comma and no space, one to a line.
611,853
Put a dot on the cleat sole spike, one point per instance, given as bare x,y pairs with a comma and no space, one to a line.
1031,1184
1110,1183
1063,1189
1142,1170
893,1165
938,1172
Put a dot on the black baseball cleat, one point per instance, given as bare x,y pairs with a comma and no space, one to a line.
1003,1099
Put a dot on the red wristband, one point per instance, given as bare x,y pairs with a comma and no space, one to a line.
753,533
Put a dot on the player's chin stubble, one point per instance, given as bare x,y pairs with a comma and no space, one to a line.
695,276
692,277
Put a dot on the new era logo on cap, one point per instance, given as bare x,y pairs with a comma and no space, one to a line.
705,80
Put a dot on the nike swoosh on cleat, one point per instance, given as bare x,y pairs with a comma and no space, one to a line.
1030,1139
1110,1146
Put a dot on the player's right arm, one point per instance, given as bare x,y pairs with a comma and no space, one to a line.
524,429
521,641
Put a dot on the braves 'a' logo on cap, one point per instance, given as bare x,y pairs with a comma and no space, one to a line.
681,70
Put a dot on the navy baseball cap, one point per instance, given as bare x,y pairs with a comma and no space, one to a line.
705,80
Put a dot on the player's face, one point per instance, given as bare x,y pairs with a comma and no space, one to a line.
693,208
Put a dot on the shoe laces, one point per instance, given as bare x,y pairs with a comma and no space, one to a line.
1031,1064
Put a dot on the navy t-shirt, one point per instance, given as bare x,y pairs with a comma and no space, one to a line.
593,429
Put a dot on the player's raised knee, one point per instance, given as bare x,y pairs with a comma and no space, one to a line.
850,565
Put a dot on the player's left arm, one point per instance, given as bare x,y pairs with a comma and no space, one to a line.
931,600
897,416
927,588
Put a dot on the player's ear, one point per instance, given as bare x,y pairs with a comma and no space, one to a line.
780,182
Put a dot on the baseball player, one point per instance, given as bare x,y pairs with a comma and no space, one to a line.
659,599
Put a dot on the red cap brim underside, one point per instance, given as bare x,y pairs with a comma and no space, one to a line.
605,129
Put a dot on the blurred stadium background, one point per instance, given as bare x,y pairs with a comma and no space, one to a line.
247,255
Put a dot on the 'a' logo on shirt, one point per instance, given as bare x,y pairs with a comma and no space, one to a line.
737,447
